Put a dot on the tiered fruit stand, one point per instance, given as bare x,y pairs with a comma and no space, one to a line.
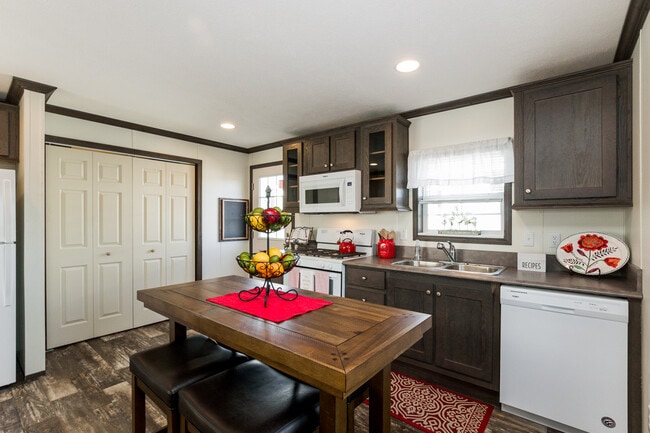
262,264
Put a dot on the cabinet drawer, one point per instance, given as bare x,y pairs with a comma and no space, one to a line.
366,295
365,277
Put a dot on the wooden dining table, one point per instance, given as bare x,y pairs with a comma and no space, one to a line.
338,348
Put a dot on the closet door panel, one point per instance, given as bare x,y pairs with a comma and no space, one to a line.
149,219
69,263
180,225
113,247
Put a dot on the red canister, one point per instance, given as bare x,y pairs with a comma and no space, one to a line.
386,248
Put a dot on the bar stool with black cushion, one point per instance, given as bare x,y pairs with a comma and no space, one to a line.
249,398
161,372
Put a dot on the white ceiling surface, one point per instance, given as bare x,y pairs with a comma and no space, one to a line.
284,68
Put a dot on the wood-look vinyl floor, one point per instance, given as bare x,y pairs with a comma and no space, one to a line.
86,389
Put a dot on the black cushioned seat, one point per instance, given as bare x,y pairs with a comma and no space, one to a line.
249,398
162,371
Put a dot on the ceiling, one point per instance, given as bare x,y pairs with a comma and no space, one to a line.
286,68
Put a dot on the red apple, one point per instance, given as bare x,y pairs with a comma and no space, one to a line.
272,216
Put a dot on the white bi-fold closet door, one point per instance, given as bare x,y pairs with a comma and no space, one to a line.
115,225
163,232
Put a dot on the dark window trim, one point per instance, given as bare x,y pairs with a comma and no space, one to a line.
507,223
198,186
251,191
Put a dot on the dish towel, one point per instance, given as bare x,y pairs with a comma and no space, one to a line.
322,282
293,277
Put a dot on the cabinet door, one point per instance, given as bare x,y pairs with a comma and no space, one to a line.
316,155
343,150
464,331
292,170
415,294
8,131
376,169
573,142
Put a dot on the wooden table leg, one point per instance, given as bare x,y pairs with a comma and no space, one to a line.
333,414
176,331
379,396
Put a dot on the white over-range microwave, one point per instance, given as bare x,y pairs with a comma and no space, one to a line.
335,192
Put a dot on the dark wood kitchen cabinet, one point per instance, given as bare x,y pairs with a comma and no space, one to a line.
8,131
464,328
413,292
367,285
463,342
330,152
292,170
573,139
383,153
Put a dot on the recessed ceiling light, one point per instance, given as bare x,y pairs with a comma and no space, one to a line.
227,125
407,66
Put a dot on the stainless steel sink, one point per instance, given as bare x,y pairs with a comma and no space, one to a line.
475,268
472,268
420,263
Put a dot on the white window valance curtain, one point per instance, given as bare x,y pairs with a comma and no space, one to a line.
487,161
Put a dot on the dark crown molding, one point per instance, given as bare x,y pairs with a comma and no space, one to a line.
19,85
54,109
634,20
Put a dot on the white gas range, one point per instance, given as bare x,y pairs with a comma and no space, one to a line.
321,269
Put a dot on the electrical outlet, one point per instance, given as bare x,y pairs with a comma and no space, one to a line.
529,239
554,240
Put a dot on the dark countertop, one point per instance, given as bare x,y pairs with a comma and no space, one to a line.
622,284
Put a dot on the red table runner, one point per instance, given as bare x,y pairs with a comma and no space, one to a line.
277,309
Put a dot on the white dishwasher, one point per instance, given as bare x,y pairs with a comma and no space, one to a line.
564,359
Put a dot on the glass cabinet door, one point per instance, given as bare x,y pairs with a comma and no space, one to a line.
377,169
292,169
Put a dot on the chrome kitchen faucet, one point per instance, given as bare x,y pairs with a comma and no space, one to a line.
451,252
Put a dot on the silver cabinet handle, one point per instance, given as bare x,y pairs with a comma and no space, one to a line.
438,294
364,278
428,292
363,299
364,198
527,191
325,165
331,165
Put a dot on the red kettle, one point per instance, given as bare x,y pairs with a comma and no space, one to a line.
346,246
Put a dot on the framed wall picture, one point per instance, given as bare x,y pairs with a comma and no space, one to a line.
232,226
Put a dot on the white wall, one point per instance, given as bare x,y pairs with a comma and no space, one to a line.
639,220
225,175
476,122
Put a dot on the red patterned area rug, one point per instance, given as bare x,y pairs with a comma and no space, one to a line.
433,409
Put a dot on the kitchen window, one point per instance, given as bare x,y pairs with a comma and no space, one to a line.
275,182
463,192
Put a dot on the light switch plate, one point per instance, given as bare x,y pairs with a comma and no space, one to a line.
531,262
